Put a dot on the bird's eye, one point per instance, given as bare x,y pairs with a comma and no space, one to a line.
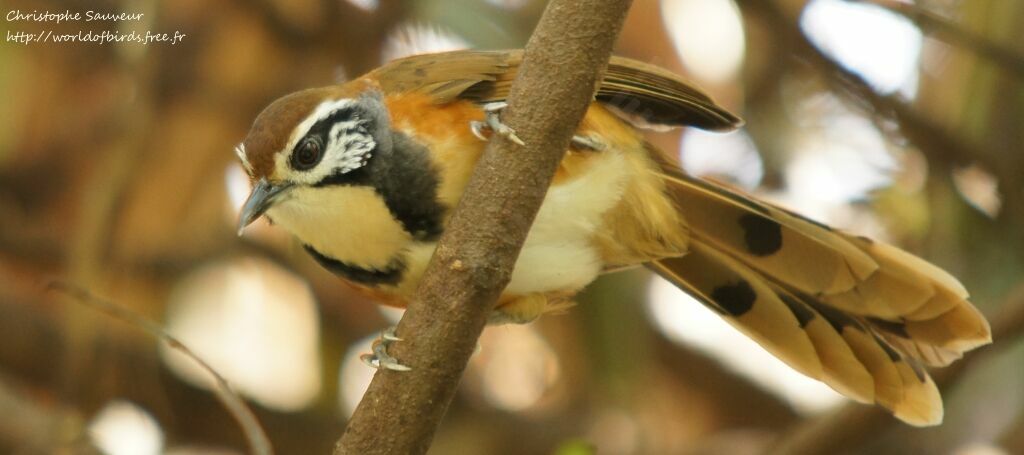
307,154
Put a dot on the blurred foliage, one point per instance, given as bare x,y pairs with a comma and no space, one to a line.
114,174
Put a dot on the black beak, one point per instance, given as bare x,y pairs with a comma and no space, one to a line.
263,196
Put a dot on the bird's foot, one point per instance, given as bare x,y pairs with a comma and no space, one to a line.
379,358
492,122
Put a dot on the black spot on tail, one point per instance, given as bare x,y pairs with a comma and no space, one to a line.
892,353
836,318
762,235
918,371
804,315
894,328
736,298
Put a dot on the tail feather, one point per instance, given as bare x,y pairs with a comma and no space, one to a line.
961,329
859,315
737,294
771,239
901,383
843,370
943,301
922,404
930,355
893,291
945,320
813,338
904,288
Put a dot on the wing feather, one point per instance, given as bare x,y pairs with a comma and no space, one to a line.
643,94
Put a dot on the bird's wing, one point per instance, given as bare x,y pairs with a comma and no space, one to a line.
645,95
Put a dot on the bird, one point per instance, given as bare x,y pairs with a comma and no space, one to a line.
364,174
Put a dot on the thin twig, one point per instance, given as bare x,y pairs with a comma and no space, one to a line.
925,133
955,34
942,146
259,443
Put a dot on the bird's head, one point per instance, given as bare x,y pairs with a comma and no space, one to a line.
308,141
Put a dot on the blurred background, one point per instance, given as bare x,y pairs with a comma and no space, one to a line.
902,120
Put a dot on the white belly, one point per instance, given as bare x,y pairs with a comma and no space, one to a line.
559,254
347,223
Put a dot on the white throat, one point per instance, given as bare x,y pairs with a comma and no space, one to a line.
351,224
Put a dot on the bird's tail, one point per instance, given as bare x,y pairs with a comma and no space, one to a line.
861,316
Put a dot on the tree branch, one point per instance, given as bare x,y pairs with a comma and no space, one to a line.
953,33
259,444
893,114
474,259
933,139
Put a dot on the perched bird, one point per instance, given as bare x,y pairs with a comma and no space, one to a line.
365,175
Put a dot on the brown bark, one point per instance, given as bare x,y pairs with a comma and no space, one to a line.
473,262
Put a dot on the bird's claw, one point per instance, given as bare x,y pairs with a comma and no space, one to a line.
389,335
492,122
477,127
587,142
379,358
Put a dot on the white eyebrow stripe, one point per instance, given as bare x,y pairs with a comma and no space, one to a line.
240,152
321,112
